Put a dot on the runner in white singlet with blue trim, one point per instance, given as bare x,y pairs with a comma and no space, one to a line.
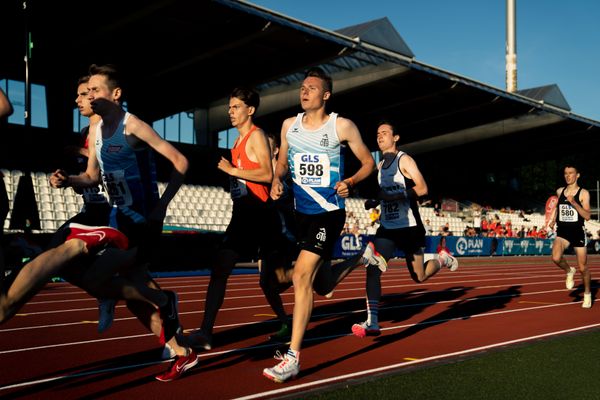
401,183
313,143
139,213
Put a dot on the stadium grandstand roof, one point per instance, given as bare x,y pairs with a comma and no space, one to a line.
182,55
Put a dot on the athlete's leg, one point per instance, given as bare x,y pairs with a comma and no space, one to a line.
581,255
420,272
558,249
34,275
330,274
386,248
305,270
276,277
215,294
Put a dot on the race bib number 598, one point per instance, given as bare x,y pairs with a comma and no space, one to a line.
312,169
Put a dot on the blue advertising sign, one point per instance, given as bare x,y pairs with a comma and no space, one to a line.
461,246
349,245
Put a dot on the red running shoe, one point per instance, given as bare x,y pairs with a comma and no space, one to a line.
178,367
96,236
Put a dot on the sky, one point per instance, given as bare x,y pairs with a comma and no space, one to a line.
558,41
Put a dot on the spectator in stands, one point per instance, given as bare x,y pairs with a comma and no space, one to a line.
374,214
437,210
312,140
476,213
445,230
130,178
428,228
401,184
250,172
572,210
442,247
484,226
372,228
522,233
356,230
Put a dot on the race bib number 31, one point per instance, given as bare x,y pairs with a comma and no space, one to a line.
117,188
566,213
312,169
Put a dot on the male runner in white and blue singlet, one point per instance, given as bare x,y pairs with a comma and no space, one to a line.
314,142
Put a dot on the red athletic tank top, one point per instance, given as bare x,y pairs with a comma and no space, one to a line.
240,159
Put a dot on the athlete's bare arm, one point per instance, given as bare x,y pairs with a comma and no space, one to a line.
258,150
282,166
91,176
146,133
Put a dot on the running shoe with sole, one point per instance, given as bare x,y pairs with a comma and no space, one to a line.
288,368
587,300
178,367
570,281
372,257
106,314
448,261
98,236
364,329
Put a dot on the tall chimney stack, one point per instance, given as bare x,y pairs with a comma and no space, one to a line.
511,46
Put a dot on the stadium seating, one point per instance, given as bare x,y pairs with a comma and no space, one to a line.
209,208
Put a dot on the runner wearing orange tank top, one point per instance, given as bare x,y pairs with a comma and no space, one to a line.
254,221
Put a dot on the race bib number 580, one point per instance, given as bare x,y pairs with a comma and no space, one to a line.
312,169
567,213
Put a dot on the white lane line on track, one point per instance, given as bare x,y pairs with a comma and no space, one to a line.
291,388
482,298
328,380
420,292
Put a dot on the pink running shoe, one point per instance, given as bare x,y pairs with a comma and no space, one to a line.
96,236
363,330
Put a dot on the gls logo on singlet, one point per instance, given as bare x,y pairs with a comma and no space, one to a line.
113,148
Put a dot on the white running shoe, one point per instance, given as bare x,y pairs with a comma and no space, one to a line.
288,368
447,260
372,257
587,300
167,353
106,314
570,281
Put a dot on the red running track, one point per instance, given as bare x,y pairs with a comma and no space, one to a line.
51,350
